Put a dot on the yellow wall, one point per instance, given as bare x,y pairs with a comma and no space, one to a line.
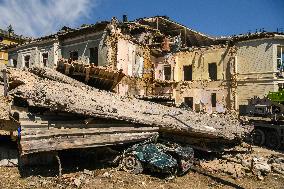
4,54
201,87
199,60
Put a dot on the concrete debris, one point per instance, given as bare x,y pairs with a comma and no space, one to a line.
260,167
106,175
277,164
61,93
4,107
77,182
259,163
88,172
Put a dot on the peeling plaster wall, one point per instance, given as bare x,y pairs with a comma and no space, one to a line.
130,58
201,88
160,62
256,69
82,44
201,92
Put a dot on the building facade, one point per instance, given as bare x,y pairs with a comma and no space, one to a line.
259,66
165,61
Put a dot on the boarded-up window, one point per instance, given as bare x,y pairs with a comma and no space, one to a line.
187,73
94,56
188,102
44,59
213,99
167,72
212,68
27,60
74,55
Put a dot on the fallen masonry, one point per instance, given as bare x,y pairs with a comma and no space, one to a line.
53,112
55,92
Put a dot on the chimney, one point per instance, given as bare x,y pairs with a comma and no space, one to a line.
124,18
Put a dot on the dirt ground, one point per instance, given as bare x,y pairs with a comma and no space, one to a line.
109,178
90,176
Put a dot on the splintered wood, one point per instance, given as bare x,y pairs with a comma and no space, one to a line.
43,136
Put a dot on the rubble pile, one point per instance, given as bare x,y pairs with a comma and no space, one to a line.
240,165
4,107
43,87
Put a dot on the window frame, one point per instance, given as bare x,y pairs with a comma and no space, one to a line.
29,61
164,75
281,58
95,56
216,66
72,57
214,100
186,74
188,99
42,58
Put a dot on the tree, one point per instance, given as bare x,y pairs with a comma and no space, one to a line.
10,29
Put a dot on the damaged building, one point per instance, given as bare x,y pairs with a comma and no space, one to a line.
160,60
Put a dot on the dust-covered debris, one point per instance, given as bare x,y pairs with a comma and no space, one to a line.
56,91
259,163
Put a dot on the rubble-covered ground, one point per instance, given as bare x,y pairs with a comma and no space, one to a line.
231,170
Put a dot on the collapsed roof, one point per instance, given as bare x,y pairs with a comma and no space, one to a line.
159,24
189,36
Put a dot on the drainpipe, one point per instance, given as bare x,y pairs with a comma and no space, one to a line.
202,66
157,23
236,81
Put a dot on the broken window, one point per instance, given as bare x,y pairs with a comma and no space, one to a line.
213,99
44,59
74,55
188,102
94,56
212,68
27,61
15,63
280,58
187,73
167,72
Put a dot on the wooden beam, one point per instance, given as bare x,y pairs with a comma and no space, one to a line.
55,144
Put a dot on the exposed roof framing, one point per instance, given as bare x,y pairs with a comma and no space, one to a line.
189,37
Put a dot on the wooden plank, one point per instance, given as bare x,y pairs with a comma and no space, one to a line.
34,146
72,124
38,133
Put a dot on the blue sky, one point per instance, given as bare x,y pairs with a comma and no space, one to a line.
212,17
